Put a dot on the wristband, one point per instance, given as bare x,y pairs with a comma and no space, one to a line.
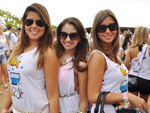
5,110
124,94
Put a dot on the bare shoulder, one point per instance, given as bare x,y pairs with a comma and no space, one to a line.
97,56
50,55
82,64
97,61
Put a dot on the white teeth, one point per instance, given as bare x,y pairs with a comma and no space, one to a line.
34,31
67,44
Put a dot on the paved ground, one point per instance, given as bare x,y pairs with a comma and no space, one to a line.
4,91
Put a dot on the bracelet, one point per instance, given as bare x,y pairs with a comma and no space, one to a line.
125,97
80,111
5,110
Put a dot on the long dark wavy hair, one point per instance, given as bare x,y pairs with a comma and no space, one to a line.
97,43
44,42
81,50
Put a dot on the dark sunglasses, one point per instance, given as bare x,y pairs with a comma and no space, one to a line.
29,22
72,36
103,28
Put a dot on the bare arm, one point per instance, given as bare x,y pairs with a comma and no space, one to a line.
8,101
82,76
96,69
51,76
127,59
7,39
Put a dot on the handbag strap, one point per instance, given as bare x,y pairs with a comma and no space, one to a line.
98,101
142,60
102,95
103,102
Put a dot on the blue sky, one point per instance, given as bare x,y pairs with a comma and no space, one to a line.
129,13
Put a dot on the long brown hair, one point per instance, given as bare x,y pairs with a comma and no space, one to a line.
97,43
44,42
81,49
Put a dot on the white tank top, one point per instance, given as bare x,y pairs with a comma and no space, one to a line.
69,98
115,80
28,87
2,44
145,67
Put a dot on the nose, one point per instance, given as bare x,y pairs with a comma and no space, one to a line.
68,38
107,30
34,24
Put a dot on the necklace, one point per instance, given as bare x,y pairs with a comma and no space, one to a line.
66,61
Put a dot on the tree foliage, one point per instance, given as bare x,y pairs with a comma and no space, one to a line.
7,18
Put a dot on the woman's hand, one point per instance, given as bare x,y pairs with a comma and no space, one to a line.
138,102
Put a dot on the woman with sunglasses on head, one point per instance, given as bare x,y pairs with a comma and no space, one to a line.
33,66
71,49
105,71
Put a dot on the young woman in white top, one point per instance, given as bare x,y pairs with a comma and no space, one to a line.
134,59
33,66
72,49
105,71
3,70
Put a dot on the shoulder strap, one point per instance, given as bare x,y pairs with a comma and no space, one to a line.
9,35
142,60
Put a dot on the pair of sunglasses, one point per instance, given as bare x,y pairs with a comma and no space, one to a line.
103,28
29,22
72,36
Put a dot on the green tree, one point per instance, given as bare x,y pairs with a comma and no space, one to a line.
7,18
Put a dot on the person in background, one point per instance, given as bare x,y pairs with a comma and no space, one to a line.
18,34
105,71
33,66
134,59
122,37
72,49
126,44
12,40
3,69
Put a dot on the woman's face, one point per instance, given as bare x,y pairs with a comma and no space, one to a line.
32,28
108,35
69,37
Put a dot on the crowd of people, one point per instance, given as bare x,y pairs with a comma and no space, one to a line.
63,71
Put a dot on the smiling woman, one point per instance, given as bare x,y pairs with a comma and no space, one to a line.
71,49
106,73
33,66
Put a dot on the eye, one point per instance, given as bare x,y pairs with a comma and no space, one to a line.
28,22
40,23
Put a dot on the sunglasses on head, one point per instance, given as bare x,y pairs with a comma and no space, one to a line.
103,28
72,36
39,23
